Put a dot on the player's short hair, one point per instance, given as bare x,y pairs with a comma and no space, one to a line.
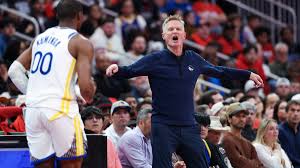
170,18
68,9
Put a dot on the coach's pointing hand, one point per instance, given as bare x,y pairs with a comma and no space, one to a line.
257,80
112,69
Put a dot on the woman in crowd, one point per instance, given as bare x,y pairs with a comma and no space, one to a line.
268,150
280,111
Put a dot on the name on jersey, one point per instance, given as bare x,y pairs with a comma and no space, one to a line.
48,40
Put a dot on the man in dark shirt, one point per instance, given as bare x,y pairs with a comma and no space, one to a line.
289,133
172,74
109,87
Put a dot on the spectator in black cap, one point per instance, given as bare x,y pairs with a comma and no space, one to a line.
92,119
104,104
93,124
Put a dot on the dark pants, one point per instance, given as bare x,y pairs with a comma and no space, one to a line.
167,139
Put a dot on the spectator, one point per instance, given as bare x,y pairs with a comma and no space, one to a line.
191,22
248,132
202,34
203,121
109,87
279,114
250,89
279,66
295,87
138,45
105,37
128,20
268,149
293,69
135,147
287,37
132,101
253,22
210,53
120,118
216,155
104,104
7,30
230,46
209,11
215,132
236,20
210,98
296,97
237,94
262,34
92,22
240,151
140,87
250,60
289,133
202,109
93,124
282,88
216,109
270,101
145,103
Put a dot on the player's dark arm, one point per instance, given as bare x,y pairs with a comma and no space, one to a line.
84,52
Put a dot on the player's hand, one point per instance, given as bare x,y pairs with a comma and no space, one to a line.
112,69
180,164
257,80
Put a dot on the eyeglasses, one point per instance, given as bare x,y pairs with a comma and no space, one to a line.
97,117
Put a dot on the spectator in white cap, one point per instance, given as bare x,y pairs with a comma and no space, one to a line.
282,87
216,109
120,118
296,97
250,89
218,154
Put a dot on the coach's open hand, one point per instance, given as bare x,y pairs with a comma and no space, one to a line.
112,69
257,80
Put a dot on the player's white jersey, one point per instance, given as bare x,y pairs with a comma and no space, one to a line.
52,73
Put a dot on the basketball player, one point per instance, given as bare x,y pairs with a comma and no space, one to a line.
54,59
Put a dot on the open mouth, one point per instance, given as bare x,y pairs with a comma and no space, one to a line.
175,38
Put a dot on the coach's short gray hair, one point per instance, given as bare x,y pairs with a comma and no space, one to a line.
143,114
170,18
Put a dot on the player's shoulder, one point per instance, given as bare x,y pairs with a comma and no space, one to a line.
80,41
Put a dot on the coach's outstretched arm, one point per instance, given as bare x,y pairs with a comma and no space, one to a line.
17,70
84,51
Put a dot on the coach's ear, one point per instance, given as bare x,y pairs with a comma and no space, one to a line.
163,35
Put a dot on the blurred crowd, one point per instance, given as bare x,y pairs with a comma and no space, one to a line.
255,126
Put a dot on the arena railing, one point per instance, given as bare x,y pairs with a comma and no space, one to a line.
24,16
271,11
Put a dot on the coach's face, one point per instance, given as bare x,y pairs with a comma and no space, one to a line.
174,33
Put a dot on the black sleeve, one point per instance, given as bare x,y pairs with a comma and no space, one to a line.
208,69
142,67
